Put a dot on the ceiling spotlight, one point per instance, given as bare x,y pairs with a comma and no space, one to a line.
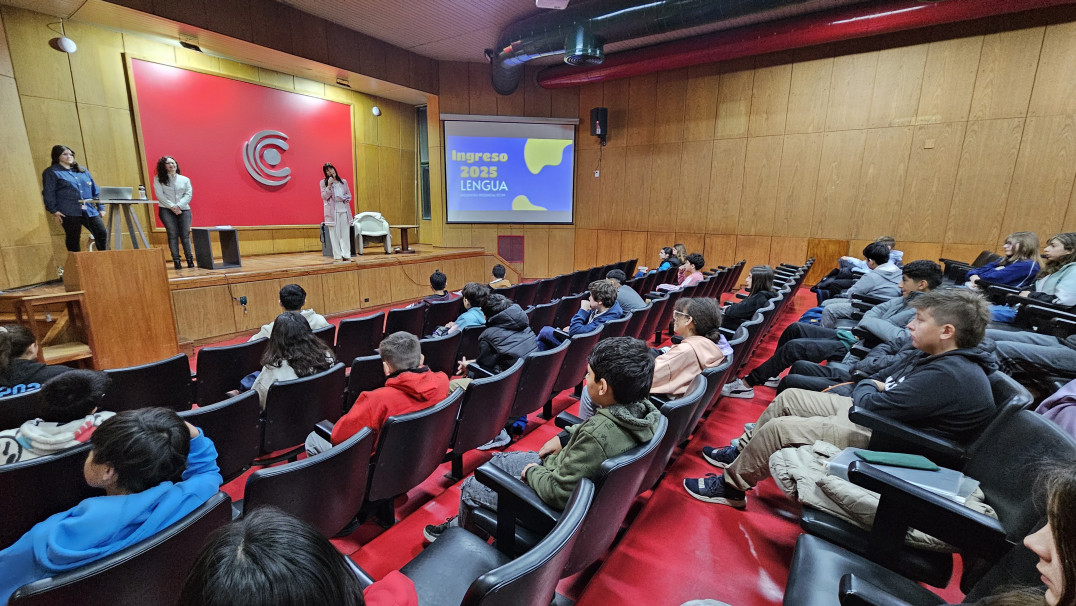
376,110
62,43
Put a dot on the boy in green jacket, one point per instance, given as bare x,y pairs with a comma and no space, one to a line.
619,372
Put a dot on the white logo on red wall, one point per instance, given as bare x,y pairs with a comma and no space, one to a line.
262,156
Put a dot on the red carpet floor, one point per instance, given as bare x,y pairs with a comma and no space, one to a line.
675,548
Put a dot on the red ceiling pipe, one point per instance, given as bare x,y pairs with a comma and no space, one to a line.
857,21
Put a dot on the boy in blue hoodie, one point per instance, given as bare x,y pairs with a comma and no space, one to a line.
137,457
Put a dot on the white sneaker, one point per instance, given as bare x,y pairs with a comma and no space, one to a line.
772,382
502,439
737,389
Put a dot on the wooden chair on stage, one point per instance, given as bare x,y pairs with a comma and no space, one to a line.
59,324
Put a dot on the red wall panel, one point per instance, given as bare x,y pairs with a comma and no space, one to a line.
204,122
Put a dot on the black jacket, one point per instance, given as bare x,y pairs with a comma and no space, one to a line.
947,395
27,375
507,337
738,313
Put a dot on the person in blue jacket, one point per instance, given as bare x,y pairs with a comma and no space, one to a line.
597,309
1017,268
137,458
72,197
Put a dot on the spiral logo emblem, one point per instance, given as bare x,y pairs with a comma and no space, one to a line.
261,155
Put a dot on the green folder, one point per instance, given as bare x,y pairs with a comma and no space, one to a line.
897,459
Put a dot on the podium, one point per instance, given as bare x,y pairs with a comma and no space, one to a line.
127,303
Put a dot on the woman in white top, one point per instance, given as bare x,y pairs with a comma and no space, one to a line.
173,192
337,200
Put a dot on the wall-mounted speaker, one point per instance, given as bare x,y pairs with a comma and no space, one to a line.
599,123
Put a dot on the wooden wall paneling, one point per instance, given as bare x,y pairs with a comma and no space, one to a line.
388,166
456,235
408,209
838,171
987,161
881,181
633,246
655,241
372,286
537,101
808,96
694,243
1054,91
48,122
221,20
149,49
587,187
696,159
536,251
726,185
265,76
5,53
412,281
196,60
254,241
607,247
826,252
664,187
1042,182
634,210
755,249
897,86
928,192
97,71
483,99
851,91
485,236
855,247
423,73
5,279
613,193
367,125
564,102
769,100
561,250
314,285
616,96
797,184
590,96
1006,74
263,303
408,127
512,105
454,96
22,214
398,65
700,107
642,106
787,250
669,121
388,123
949,80
914,251
111,153
586,248
203,312
720,250
39,70
235,69
309,38
761,173
372,58
288,240
30,264
734,100
192,12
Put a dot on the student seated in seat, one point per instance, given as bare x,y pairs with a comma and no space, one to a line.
154,468
689,273
20,371
410,387
270,558
629,300
619,372
759,287
597,309
943,391
438,281
292,298
293,352
499,281
1017,268
474,296
69,416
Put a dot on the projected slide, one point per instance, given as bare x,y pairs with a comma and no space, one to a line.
509,172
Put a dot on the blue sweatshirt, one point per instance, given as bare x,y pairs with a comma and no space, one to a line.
471,317
1016,274
586,321
100,526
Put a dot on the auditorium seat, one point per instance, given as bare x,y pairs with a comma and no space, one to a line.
410,447
484,411
574,368
235,426
468,345
406,319
326,490
678,412
16,410
615,328
638,319
367,374
292,408
666,314
151,571
544,291
439,313
30,491
460,568
165,383
525,294
359,336
539,374
542,315
220,369
327,335
715,378
440,352
566,309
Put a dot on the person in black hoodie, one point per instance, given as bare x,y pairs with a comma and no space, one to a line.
19,369
759,287
507,337
942,390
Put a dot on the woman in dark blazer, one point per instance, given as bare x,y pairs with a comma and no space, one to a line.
72,197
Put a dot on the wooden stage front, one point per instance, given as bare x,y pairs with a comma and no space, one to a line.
208,305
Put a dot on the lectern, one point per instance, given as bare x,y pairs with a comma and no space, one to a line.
127,303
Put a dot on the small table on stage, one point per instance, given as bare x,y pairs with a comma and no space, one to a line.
203,248
113,208
405,248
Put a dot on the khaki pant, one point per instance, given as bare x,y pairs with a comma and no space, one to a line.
796,417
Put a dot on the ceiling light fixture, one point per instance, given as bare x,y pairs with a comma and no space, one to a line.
62,43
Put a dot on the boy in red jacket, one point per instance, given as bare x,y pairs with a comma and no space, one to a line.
410,387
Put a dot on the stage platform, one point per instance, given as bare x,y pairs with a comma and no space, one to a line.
209,304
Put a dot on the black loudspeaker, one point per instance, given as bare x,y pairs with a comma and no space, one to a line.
599,122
